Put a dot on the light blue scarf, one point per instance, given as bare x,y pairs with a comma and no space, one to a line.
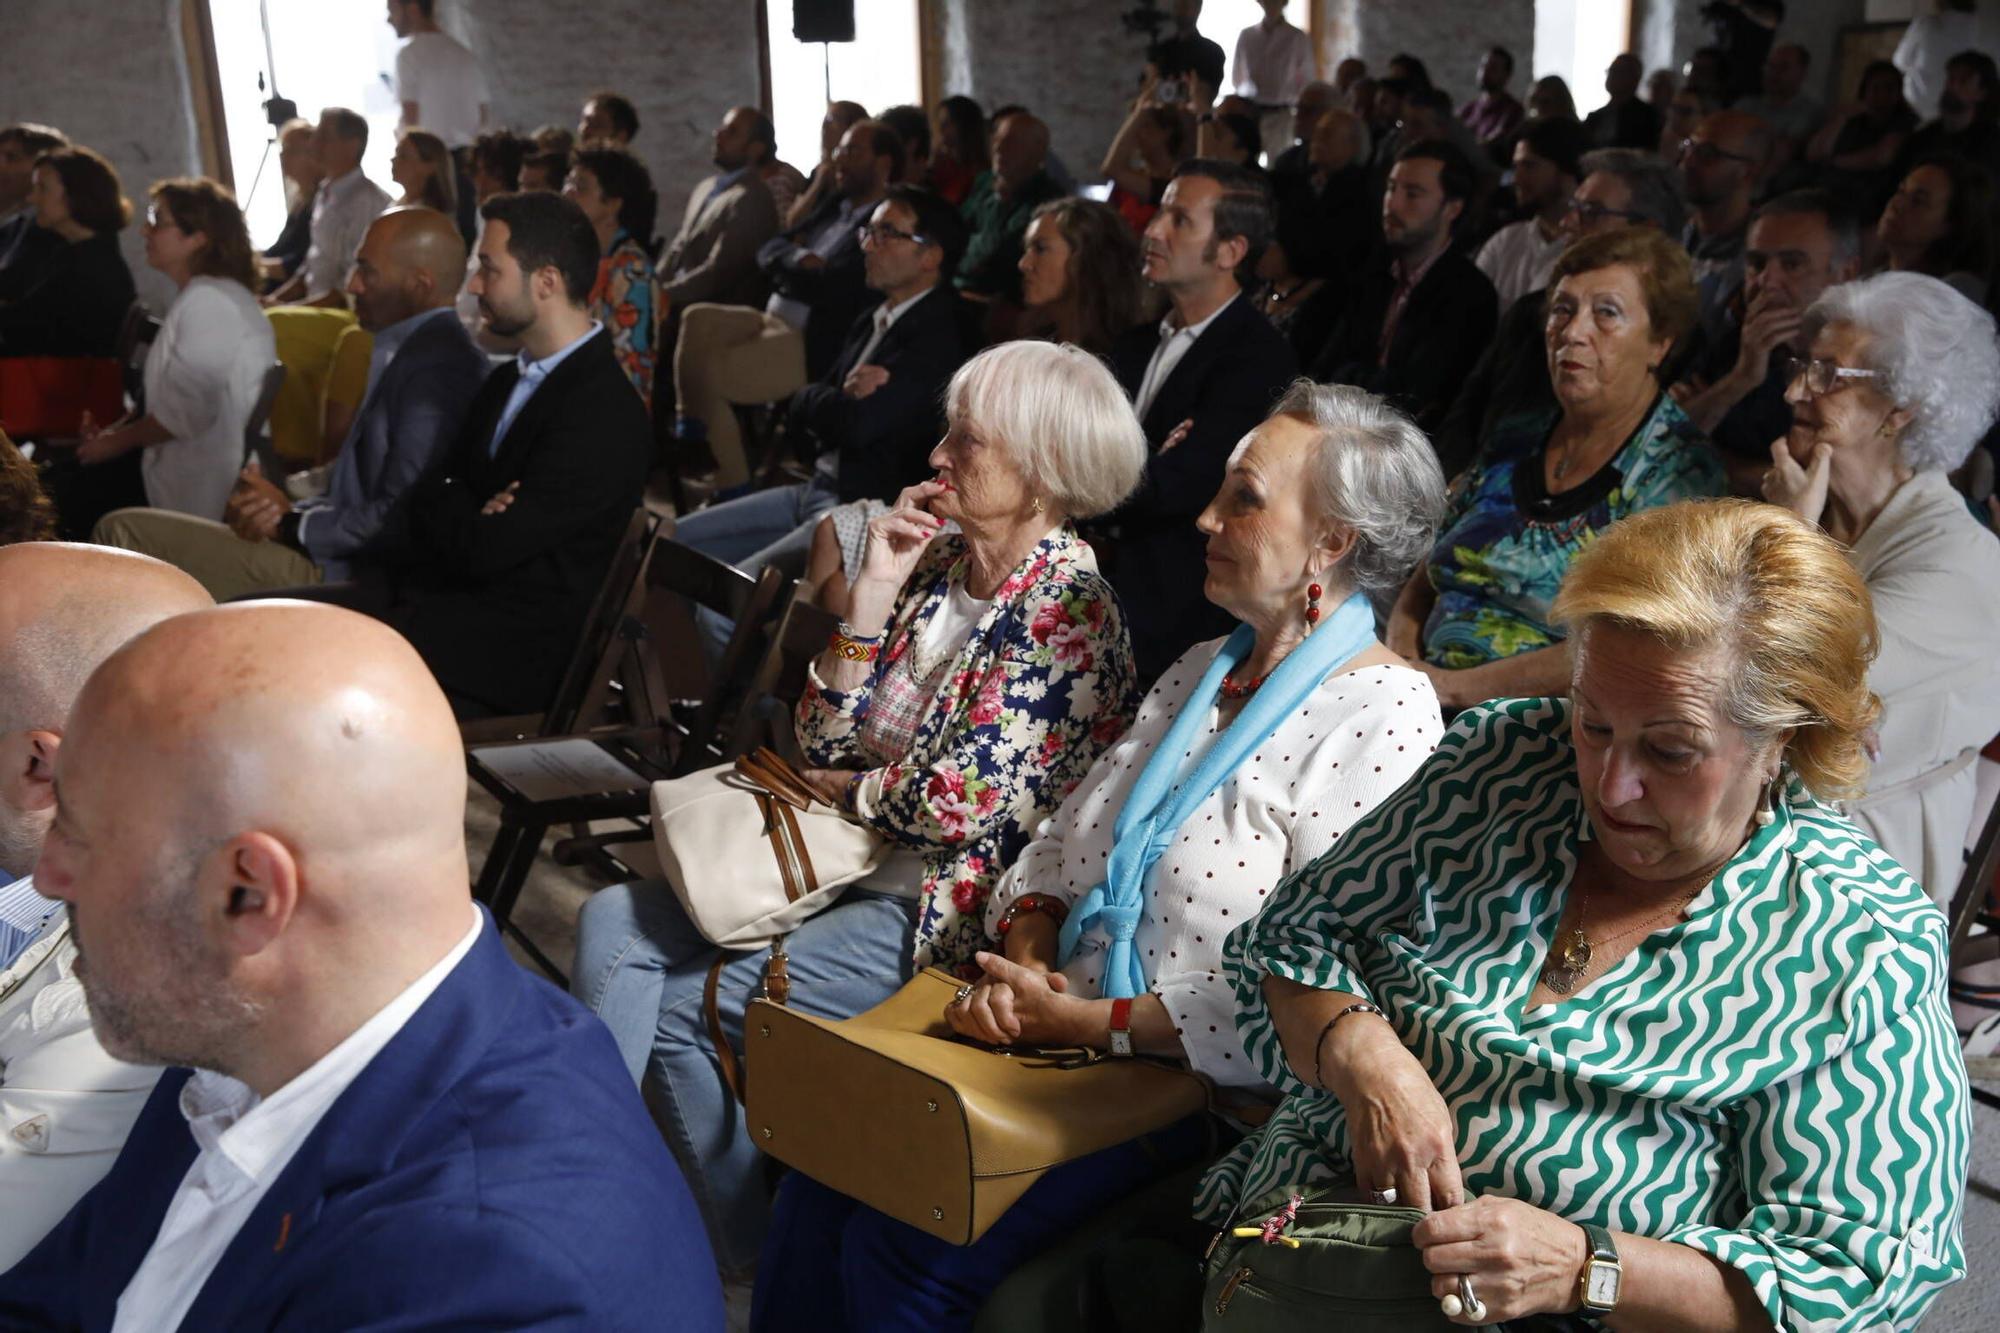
1156,807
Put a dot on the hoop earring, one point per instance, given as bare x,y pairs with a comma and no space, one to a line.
1038,504
1313,591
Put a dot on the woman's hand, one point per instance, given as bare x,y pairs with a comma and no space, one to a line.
896,539
1397,1124
1522,1260
101,446
829,784
1799,489
1014,1005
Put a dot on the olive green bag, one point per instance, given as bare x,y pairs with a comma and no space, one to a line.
1333,1263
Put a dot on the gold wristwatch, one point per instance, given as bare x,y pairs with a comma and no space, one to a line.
1598,1285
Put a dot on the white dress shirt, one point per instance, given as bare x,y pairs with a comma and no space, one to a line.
1518,259
1272,65
203,376
885,317
65,1105
1173,345
246,1142
342,210
444,80
1354,740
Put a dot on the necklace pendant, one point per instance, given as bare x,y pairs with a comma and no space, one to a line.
1568,962
1561,980
1576,953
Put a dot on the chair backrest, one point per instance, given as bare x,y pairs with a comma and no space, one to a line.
586,688
679,577
780,680
1977,882
256,442
135,337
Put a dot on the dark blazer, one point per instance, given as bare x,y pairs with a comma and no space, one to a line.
293,242
1153,555
409,417
495,602
834,293
74,305
1510,377
492,1167
885,440
1446,324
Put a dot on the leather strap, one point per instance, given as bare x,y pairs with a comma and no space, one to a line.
725,1054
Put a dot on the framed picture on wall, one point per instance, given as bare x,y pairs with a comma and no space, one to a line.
1858,46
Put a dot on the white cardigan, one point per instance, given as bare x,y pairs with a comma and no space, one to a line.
203,376
1934,575
65,1105
1355,740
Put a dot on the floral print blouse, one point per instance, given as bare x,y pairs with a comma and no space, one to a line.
1041,686
1506,542
623,300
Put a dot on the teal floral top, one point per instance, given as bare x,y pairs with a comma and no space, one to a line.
1506,542
1774,1082
1042,685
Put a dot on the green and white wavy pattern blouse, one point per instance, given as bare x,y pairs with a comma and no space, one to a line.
1774,1082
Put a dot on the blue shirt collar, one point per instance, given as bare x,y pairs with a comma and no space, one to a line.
543,367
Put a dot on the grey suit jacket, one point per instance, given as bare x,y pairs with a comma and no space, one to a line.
714,258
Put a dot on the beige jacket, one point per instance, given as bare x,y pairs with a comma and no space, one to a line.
65,1105
714,258
1934,574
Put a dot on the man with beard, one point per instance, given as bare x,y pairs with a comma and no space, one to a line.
1421,312
68,1104
729,215
382,1120
422,376
511,536
1200,380
1968,122
1799,245
1518,257
1721,165
1494,114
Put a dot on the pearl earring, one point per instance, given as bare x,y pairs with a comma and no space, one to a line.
1765,815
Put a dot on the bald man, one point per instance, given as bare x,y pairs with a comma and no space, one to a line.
65,1104
422,377
1000,205
381,1120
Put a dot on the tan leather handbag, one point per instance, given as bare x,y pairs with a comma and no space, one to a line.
892,1109
751,852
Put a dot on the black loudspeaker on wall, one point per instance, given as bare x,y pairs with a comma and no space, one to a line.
823,20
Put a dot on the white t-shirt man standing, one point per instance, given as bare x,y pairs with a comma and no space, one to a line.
438,81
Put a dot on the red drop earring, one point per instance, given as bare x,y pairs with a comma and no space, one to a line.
1312,606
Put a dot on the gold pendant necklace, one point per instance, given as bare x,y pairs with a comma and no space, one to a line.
1570,960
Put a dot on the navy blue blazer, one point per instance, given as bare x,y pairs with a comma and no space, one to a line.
493,1167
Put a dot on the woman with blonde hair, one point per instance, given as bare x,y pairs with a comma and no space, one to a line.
423,168
1650,1031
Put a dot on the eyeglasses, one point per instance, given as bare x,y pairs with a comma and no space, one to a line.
1591,212
1824,376
881,233
1708,154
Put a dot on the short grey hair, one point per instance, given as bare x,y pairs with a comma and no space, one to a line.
1936,351
1061,416
1375,473
1656,195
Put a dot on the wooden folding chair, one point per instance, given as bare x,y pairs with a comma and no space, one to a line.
781,681
256,439
610,631
135,338
578,779
1969,900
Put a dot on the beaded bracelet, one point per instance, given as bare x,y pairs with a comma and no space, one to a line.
1030,903
855,648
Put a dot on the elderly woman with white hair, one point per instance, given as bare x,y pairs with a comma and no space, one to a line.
1249,758
976,678
1902,379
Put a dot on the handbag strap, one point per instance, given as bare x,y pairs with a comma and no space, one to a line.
769,770
777,989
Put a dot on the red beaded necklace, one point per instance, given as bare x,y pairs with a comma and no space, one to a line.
1232,690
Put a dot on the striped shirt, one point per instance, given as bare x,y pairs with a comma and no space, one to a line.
1774,1082
23,914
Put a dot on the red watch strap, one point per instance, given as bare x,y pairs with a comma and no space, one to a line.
1121,1015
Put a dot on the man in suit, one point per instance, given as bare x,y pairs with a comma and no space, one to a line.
735,354
1199,380
376,1118
1421,312
729,217
68,1104
511,537
873,418
422,377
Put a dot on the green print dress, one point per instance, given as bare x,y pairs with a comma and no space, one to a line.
1506,542
1774,1082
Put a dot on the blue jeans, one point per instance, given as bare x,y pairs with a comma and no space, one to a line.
641,966
831,1264
770,527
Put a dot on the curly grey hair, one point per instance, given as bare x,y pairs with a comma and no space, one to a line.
1377,474
1936,351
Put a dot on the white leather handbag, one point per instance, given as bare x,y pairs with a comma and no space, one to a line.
751,851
